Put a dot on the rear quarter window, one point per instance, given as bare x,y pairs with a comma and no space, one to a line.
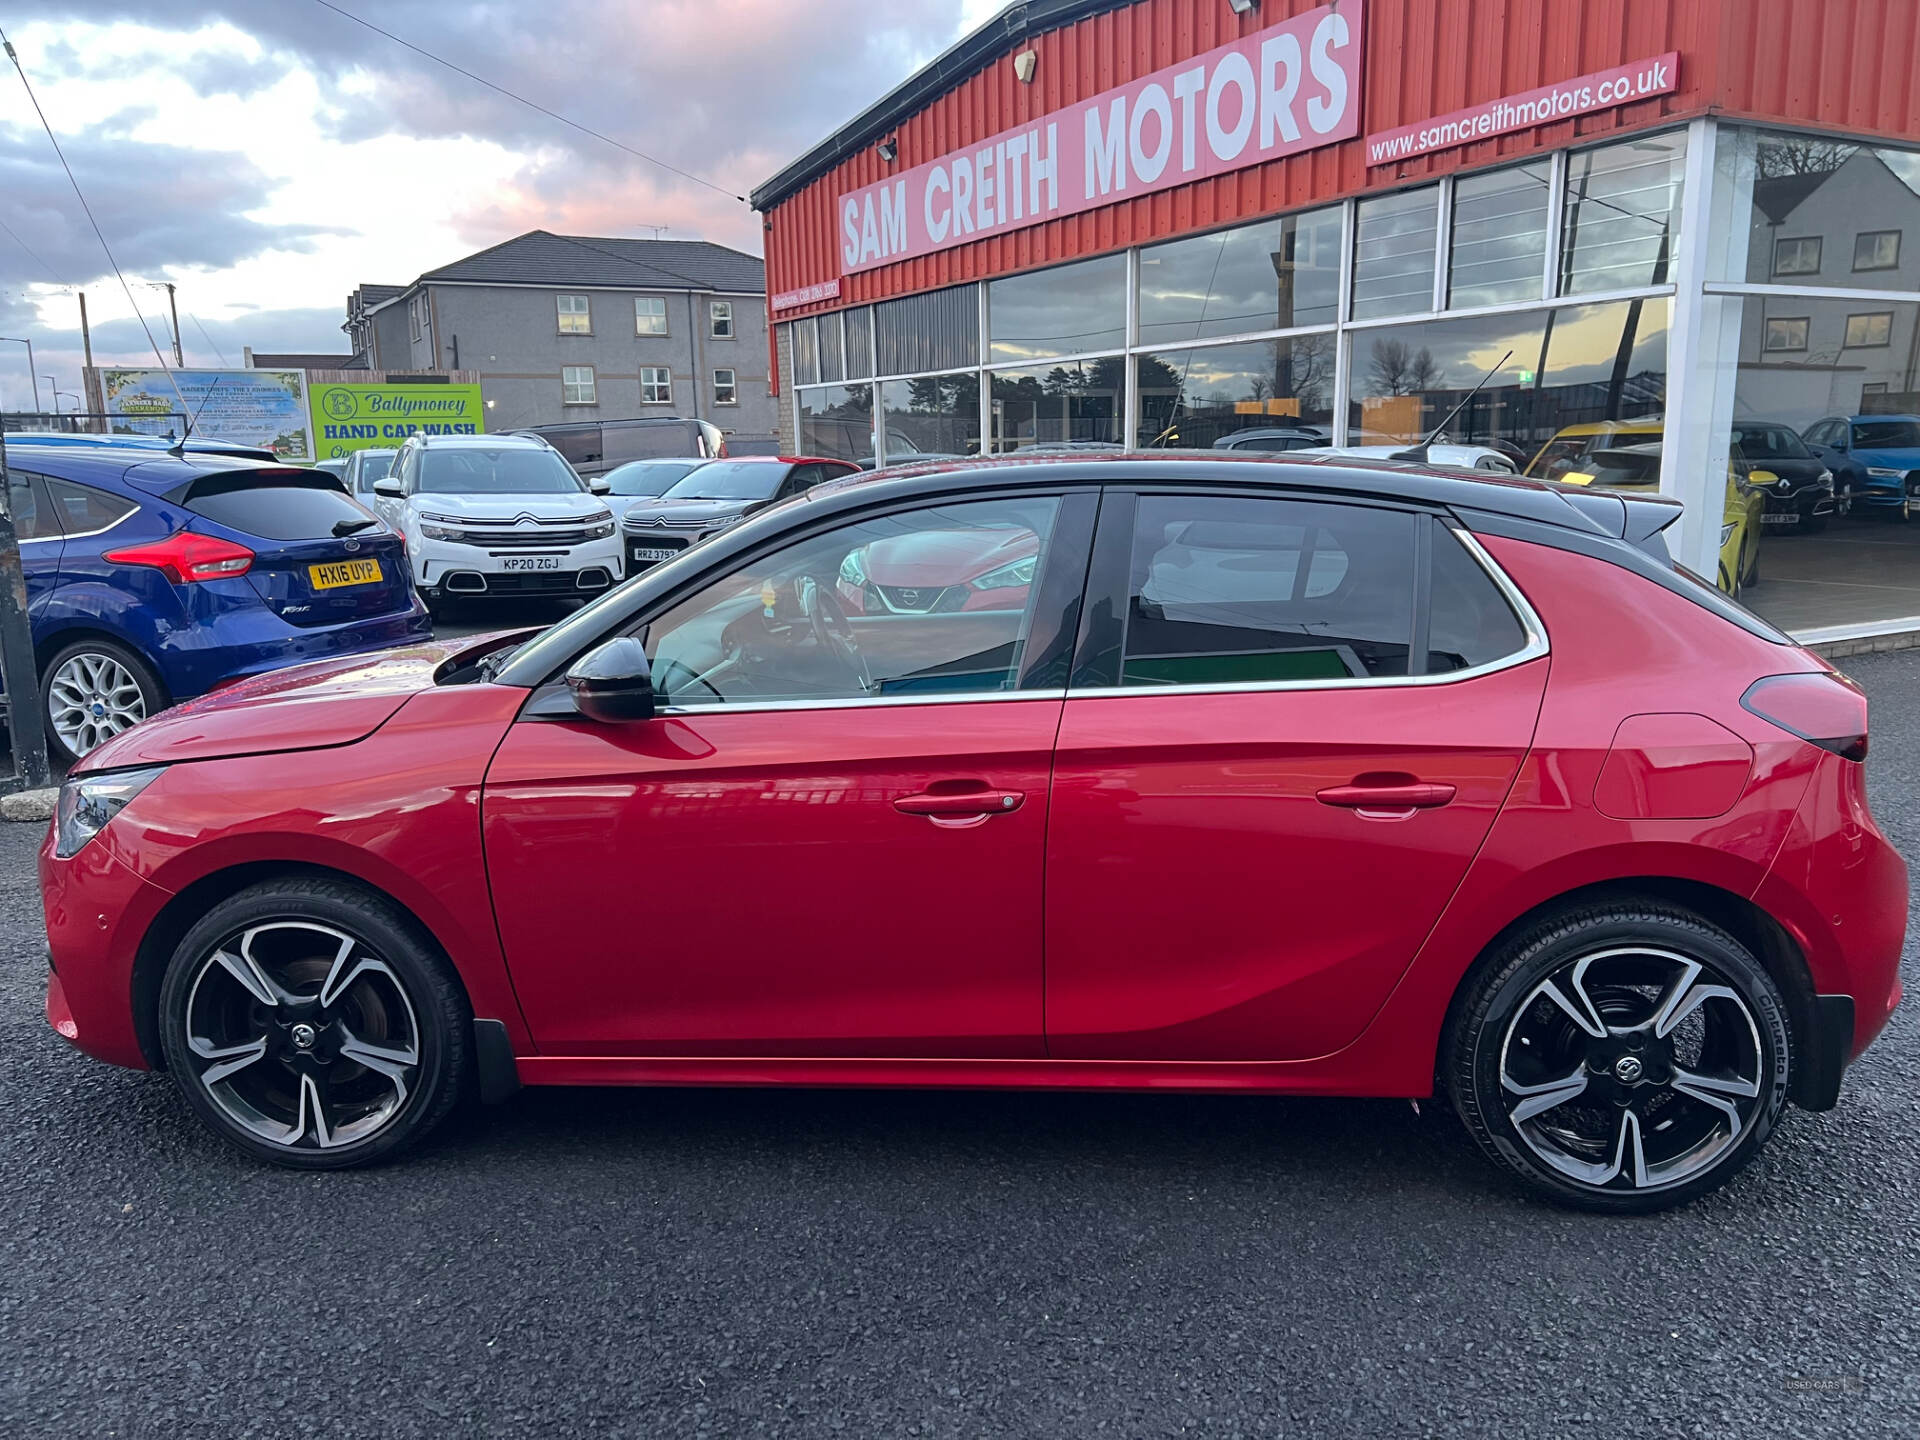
279,512
1469,621
82,510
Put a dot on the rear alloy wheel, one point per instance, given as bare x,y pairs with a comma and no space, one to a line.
92,691
1622,1059
306,1024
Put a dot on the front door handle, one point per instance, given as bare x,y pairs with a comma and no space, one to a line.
960,805
1410,795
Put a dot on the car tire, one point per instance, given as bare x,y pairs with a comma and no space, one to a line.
310,1024
1671,996
95,673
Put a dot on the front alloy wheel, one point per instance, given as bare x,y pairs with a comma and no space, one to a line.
305,1021
1622,1058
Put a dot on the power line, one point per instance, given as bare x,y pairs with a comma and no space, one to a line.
99,235
206,337
31,253
530,104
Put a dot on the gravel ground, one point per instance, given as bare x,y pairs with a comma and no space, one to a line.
738,1263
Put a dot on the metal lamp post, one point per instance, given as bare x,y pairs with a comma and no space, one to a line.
11,340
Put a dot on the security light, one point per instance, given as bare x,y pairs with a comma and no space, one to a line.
1024,65
889,149
1241,7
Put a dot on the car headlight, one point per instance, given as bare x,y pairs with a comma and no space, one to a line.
600,529
89,802
1880,473
1726,532
439,532
725,522
853,569
1007,577
1825,482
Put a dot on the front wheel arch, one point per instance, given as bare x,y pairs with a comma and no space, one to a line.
184,911
1745,921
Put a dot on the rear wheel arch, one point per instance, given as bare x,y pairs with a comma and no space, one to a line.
185,910
1759,932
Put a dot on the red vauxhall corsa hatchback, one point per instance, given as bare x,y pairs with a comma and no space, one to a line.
1227,774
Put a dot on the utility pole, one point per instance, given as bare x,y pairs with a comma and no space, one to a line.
179,361
30,375
26,732
87,381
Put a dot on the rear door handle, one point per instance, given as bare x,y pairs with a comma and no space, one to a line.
965,804
1415,795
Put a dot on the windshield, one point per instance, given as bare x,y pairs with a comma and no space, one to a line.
730,480
648,477
506,471
1621,467
1769,442
1887,435
372,468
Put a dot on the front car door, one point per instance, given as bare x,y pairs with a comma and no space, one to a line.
1290,726
830,839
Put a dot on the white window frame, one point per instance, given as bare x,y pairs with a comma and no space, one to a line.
641,330
731,385
656,385
563,312
574,391
720,313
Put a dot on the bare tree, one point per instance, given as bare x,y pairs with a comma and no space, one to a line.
1395,368
1780,156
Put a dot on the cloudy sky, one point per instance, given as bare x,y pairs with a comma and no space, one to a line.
270,155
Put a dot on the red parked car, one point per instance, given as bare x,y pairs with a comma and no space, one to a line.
1250,774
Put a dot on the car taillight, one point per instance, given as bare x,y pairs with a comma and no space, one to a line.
185,558
1822,707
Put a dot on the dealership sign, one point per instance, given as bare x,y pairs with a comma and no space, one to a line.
1291,87
1583,95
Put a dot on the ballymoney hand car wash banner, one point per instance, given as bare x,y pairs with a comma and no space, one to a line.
349,417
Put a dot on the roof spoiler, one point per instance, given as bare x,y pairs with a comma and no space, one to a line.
1640,520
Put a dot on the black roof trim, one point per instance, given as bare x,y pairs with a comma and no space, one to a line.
965,59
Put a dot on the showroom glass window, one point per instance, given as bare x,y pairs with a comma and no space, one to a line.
1275,275
1067,310
860,613
1622,214
1394,243
932,415
836,422
1577,369
1499,245
833,350
1236,591
806,351
1818,211
1198,397
1076,402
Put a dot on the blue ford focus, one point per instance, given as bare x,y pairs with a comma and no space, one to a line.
153,577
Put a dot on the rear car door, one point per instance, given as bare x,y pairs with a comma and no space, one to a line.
36,526
830,840
1290,726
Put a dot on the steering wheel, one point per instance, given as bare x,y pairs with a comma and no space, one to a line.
828,620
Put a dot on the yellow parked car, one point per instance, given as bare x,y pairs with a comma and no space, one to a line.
1625,454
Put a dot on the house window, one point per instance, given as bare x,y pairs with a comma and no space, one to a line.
725,392
1876,250
413,315
656,385
649,315
576,318
576,385
1797,257
1786,335
1871,331
720,314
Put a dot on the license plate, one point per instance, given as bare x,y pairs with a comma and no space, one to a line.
1779,519
654,553
336,573
532,562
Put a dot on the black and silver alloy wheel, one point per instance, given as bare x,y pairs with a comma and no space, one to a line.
302,1036
310,1023
1631,1068
1625,1057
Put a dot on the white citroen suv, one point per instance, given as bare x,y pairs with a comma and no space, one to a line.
489,516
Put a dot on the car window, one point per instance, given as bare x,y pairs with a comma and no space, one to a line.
82,510
1469,621
281,512
641,478
730,480
1821,434
931,602
502,470
368,469
1769,442
1886,435
1559,456
30,520
1234,591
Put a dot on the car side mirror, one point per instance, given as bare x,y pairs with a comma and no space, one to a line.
613,683
599,485
386,485
1762,477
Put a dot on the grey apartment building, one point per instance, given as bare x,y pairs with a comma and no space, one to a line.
575,327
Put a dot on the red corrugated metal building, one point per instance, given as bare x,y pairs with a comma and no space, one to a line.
1437,178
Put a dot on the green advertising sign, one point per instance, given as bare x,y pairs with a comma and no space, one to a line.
347,418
